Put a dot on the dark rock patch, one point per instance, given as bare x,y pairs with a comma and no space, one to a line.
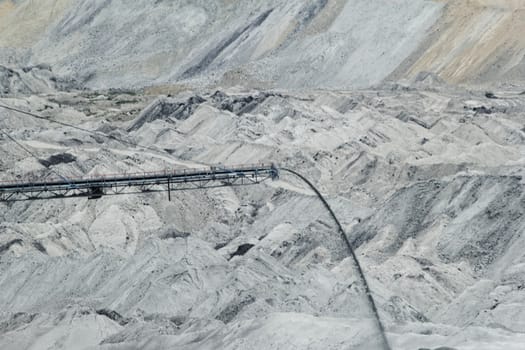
238,105
423,261
220,245
242,249
5,247
40,247
166,108
488,110
178,320
62,158
483,110
173,234
232,310
113,315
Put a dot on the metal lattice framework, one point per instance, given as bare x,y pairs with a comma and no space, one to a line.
167,180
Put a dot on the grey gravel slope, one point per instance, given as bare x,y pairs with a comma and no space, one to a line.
334,44
426,177
427,181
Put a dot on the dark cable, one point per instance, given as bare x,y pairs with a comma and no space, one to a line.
32,154
368,292
325,203
98,133
77,127
20,145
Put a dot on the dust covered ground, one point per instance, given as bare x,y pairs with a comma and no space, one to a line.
424,171
427,180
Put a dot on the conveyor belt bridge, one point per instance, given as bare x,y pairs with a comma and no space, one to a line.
166,180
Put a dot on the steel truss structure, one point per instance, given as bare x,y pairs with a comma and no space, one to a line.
167,180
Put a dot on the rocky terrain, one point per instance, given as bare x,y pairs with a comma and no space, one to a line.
333,44
424,171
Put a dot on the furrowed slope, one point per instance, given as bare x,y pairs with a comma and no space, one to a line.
333,44
315,43
475,41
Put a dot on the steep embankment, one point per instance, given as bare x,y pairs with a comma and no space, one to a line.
314,43
289,44
23,23
474,41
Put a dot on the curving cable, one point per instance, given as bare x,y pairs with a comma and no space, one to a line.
370,298
368,292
